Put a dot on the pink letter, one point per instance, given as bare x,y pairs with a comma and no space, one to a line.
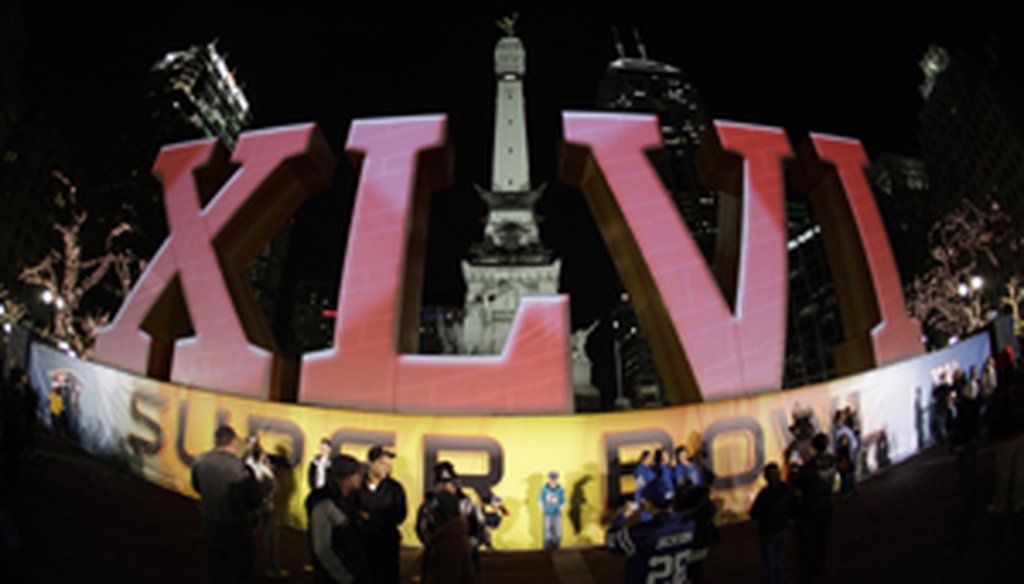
704,349
402,160
200,265
875,321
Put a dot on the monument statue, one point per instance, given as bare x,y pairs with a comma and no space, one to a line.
508,24
581,364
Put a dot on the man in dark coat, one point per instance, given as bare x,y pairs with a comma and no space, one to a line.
335,527
448,558
382,499
657,549
813,509
771,510
446,481
320,466
227,498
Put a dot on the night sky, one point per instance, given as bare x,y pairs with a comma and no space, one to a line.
827,72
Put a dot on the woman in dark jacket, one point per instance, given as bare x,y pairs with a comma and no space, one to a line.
448,556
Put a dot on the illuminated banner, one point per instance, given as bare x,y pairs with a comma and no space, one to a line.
713,335
158,429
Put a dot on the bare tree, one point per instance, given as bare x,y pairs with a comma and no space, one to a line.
1013,297
66,277
949,297
11,311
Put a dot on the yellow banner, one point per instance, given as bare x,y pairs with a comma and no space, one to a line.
160,428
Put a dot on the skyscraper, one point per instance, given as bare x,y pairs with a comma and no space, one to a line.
197,86
641,84
972,129
902,190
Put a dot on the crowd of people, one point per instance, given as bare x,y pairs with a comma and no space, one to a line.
353,509
667,528
971,407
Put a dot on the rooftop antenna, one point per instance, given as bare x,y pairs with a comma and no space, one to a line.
640,44
618,42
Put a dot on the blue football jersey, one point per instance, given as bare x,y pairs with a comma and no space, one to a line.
658,550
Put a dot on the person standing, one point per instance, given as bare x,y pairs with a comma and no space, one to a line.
320,466
12,434
693,502
658,549
263,470
965,427
227,497
429,514
335,527
685,470
1006,429
813,509
643,473
771,510
846,448
552,499
450,557
382,499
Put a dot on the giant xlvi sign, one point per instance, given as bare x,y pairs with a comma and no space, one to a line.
713,334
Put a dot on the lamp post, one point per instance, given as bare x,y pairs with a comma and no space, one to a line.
971,292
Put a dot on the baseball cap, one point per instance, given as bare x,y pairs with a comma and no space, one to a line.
378,451
444,472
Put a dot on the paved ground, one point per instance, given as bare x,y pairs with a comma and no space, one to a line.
82,520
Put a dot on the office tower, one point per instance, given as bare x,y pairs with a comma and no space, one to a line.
905,200
641,84
972,129
197,86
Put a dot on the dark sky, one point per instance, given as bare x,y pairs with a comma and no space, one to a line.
830,72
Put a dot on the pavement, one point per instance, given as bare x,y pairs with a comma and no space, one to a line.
80,519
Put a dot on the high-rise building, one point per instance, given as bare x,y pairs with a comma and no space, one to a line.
972,128
313,315
511,261
813,326
197,86
905,201
636,377
186,95
641,84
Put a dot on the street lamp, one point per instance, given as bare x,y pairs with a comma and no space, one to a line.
47,296
971,291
